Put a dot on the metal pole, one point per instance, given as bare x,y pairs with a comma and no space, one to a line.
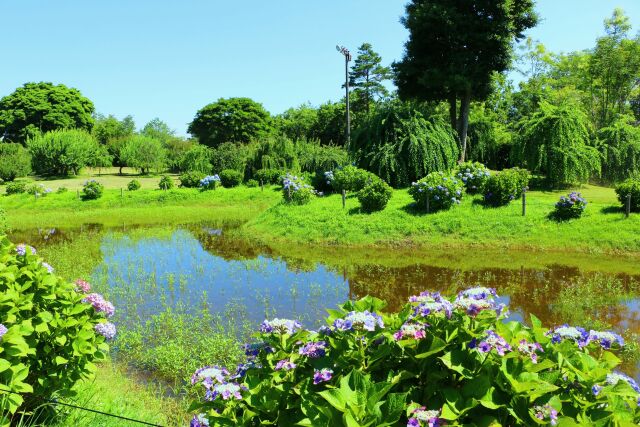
628,207
524,202
347,57
428,202
344,199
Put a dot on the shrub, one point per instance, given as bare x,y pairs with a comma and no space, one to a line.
134,185
351,178
197,159
505,186
92,190
231,178
62,190
165,183
252,183
209,182
630,186
473,175
570,206
15,161
16,187
323,181
295,191
435,361
191,179
229,155
442,191
269,176
62,152
38,190
50,332
375,196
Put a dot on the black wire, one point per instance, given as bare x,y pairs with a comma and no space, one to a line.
55,402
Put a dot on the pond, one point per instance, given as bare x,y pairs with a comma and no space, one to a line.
148,270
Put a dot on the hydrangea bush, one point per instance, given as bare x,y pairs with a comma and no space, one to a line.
474,176
92,190
570,206
295,191
191,179
505,186
209,182
38,190
375,196
438,361
51,331
442,190
630,186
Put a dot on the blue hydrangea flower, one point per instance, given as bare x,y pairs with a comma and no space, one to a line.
546,412
422,417
227,391
207,374
566,332
314,349
243,368
615,377
3,330
199,421
491,341
106,329
606,339
431,303
280,326
285,364
48,267
21,249
322,375
253,349
530,349
359,320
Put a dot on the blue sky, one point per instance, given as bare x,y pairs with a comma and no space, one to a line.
167,59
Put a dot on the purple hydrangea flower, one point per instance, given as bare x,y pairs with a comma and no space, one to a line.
199,421
359,321
492,341
547,412
615,377
606,339
596,389
324,330
106,329
3,330
253,349
314,349
530,349
83,286
285,364
478,299
411,330
48,267
243,368
226,391
211,373
431,303
21,249
323,375
422,417
100,304
280,326
566,332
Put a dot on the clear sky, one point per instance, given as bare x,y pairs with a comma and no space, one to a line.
167,59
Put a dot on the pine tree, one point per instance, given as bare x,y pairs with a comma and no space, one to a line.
366,77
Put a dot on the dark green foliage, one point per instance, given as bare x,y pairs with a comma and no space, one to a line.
399,145
556,142
297,123
441,190
230,156
231,178
269,176
166,183
630,186
351,178
366,77
133,185
16,187
331,123
505,186
375,196
191,179
62,152
473,176
100,158
454,49
313,157
143,153
15,161
276,152
92,190
252,183
239,120
51,342
36,108
175,149
197,159
620,148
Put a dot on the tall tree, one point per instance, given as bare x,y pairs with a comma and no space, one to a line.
109,128
455,47
366,77
158,129
36,108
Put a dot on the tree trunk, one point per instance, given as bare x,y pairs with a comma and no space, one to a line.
465,106
453,114
120,173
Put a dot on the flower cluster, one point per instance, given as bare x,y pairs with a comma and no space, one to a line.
285,364
359,321
491,341
570,206
48,267
571,333
92,189
3,330
475,300
100,304
474,176
431,303
209,182
530,349
328,176
422,417
295,190
207,374
314,349
280,326
411,330
606,339
243,368
83,286
546,412
253,350
39,190
227,391
199,420
106,329
615,377
322,375
21,249
438,190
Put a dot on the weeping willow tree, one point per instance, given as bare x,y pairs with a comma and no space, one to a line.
399,145
556,142
620,148
489,140
275,152
314,157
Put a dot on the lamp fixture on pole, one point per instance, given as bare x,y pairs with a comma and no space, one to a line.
347,57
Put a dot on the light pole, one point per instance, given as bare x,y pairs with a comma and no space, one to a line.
347,57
